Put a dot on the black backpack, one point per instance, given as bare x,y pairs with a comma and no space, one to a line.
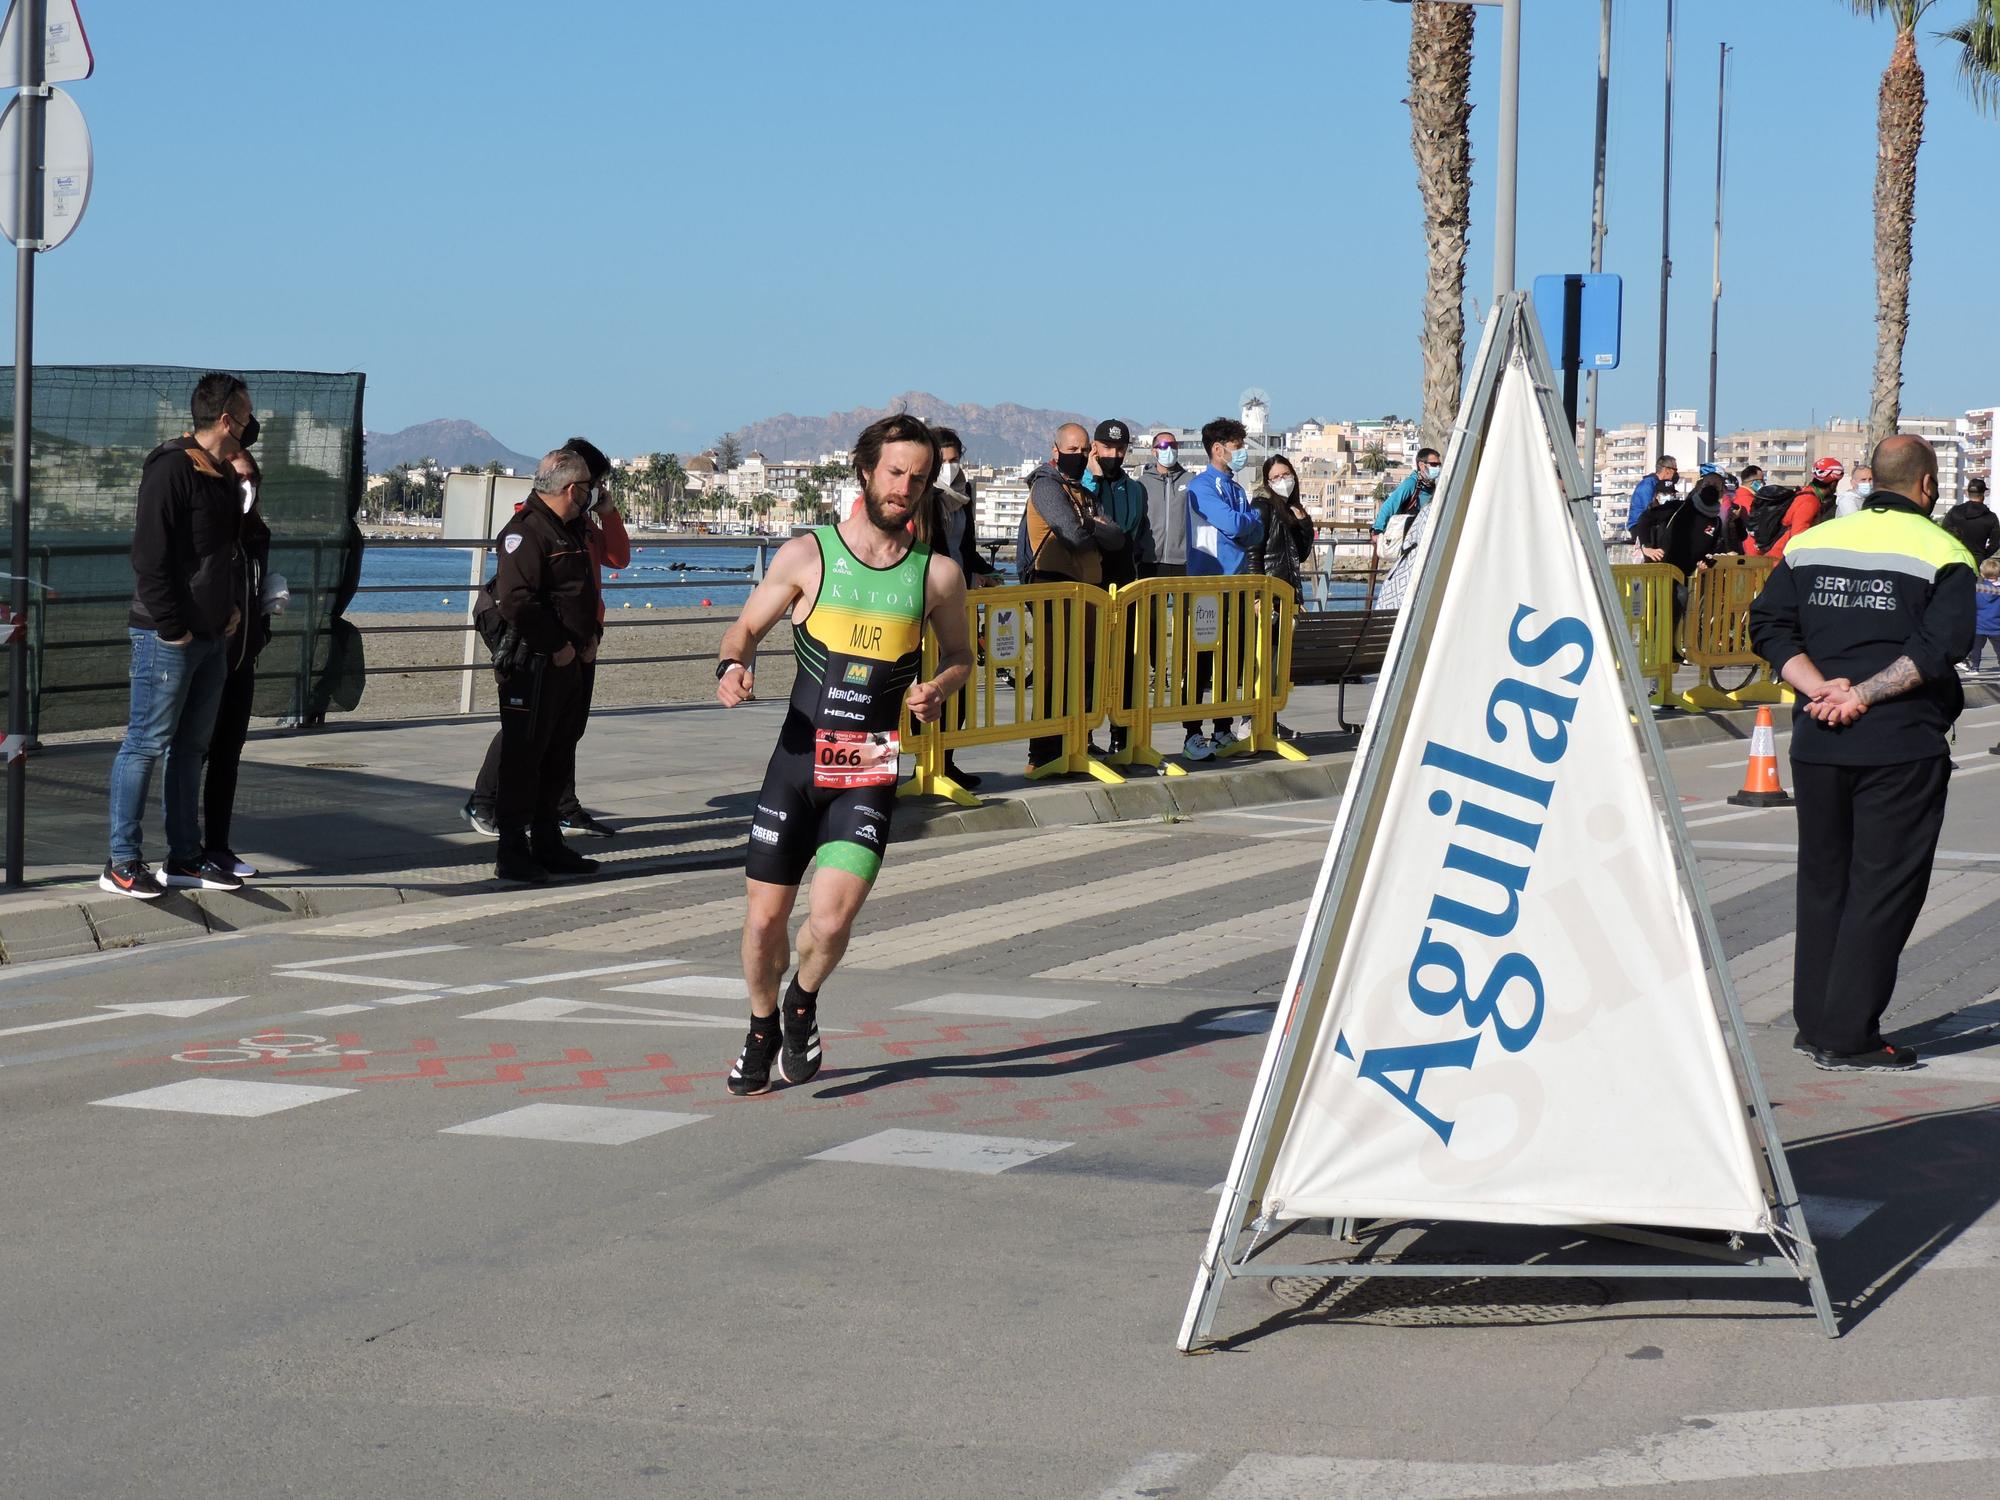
1767,514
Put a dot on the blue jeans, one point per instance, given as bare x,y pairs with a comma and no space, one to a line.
175,691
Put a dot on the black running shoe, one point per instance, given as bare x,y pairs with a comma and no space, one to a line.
479,820
205,874
1882,1059
132,878
585,824
800,1058
752,1071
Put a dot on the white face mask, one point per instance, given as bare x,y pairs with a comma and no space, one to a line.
1865,488
249,496
947,474
1283,486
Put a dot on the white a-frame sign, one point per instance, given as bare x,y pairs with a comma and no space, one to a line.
1509,1003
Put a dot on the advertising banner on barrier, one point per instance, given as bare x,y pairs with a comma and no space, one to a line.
1520,1029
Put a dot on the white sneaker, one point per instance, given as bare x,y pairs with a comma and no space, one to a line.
1197,748
1965,669
1221,740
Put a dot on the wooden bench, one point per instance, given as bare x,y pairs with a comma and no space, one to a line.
1340,646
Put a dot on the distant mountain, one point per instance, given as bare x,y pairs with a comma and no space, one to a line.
450,443
1004,434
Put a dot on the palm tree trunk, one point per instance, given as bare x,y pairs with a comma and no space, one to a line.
1440,111
1899,128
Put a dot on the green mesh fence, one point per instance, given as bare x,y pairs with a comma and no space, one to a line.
93,427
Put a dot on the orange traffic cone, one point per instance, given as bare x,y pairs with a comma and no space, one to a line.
1760,777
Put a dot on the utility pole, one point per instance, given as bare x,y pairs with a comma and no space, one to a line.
34,100
1666,237
1715,280
1597,224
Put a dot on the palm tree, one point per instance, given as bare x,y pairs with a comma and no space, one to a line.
1440,112
1899,132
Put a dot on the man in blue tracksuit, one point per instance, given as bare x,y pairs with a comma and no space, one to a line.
1221,526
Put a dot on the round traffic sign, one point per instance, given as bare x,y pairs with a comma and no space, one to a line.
66,175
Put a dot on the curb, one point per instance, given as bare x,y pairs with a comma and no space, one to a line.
52,925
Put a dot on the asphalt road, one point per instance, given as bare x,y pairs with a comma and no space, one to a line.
450,1202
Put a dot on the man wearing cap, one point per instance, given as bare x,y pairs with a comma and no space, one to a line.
1973,522
1166,485
1814,503
1121,499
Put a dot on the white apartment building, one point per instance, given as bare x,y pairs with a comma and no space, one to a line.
1948,443
1978,431
1001,502
1627,454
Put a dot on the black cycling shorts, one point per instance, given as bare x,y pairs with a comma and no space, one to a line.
848,829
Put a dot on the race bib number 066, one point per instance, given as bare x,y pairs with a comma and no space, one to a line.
849,758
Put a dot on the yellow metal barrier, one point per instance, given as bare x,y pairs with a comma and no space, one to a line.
1237,630
1646,590
1053,641
1717,634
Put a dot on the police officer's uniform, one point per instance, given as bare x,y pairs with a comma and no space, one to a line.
1854,594
546,588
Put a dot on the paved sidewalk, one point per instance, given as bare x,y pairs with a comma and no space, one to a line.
364,814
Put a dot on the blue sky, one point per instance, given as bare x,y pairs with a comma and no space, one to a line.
653,221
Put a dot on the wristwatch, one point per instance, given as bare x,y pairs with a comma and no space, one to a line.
722,667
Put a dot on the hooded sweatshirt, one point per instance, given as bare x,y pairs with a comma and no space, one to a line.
184,541
1166,512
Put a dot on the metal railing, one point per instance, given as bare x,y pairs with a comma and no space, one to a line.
310,606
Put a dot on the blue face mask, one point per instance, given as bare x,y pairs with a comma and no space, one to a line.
1239,460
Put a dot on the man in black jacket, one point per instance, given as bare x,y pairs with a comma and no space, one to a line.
183,611
546,588
1973,522
1863,618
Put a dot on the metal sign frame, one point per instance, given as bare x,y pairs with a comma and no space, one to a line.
1512,332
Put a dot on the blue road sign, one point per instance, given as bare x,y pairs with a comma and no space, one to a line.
1600,310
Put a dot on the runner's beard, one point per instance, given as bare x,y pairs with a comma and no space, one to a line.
879,515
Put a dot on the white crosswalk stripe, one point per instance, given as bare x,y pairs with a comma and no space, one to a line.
960,932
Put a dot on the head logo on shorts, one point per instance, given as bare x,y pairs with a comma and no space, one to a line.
857,671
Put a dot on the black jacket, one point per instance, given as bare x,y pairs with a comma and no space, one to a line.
546,584
1856,593
1976,528
184,542
1287,544
253,563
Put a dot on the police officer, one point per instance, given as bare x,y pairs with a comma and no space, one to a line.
546,589
1864,617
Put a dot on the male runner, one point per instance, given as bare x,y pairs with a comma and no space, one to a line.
859,594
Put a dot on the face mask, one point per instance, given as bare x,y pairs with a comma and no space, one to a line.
1238,459
249,496
1072,465
1865,488
1110,470
596,497
1756,486
1429,473
248,436
1167,457
946,474
1283,486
